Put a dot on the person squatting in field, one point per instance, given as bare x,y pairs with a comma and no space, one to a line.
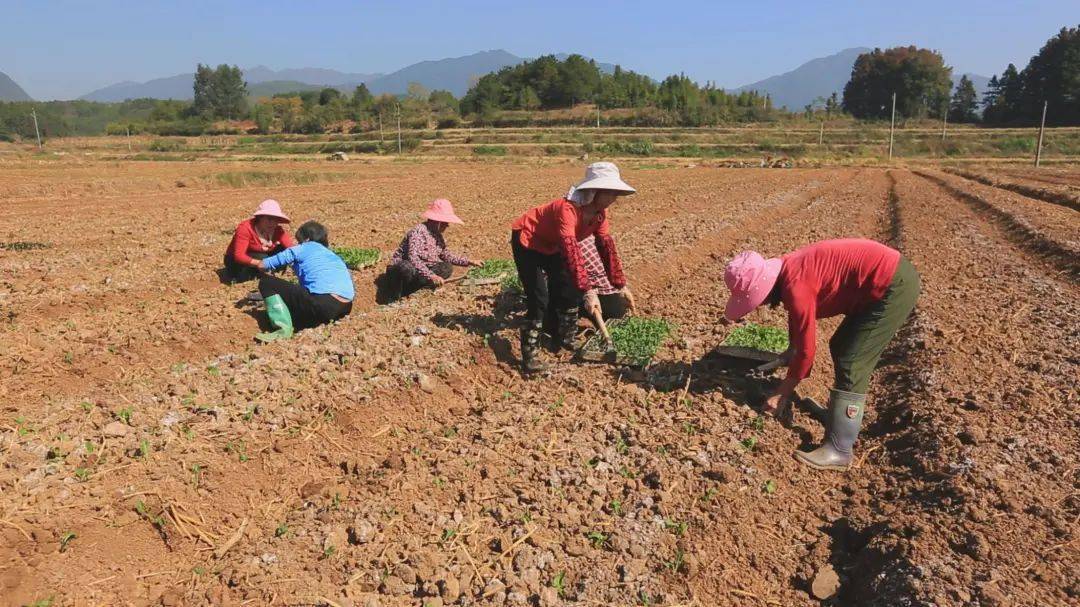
872,285
422,259
325,292
256,238
545,243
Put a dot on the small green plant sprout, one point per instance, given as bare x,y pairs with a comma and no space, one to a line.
627,473
621,446
143,511
758,423
677,527
237,448
690,428
65,539
511,284
335,503
597,539
557,404
675,565
357,259
328,552
559,582
593,462
281,530
87,406
23,427
751,335
710,494
449,431
213,370
769,487
42,603
749,443
196,476
82,474
440,482
644,599
250,412
124,415
68,357
448,534
637,339
144,448
616,507
89,446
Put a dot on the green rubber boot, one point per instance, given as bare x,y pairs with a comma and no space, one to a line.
845,421
279,317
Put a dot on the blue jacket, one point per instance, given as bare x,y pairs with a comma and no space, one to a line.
319,269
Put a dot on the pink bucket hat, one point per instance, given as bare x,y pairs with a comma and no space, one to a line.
441,210
749,277
270,208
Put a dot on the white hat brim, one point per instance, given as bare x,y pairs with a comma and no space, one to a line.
606,182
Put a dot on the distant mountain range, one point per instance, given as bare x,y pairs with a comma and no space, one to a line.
10,91
821,77
454,74
817,78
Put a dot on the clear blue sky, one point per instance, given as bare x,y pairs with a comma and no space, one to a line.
62,49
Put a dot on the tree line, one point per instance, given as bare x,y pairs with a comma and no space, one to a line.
547,83
922,84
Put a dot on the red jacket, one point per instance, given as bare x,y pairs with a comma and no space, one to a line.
556,228
245,241
826,279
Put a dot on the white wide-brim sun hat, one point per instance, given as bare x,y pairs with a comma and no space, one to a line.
604,176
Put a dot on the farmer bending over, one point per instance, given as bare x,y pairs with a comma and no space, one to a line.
325,292
422,259
258,237
550,264
871,284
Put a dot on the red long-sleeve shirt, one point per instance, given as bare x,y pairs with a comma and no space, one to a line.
556,227
826,279
245,241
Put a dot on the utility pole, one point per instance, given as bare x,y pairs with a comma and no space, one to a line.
892,126
1042,127
36,131
128,129
398,109
380,127
821,133
944,124
597,114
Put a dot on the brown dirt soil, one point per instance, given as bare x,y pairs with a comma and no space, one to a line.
398,458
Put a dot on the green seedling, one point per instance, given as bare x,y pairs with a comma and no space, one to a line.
23,427
440,482
677,527
526,518
447,535
65,539
144,448
238,448
87,406
250,413
710,493
759,337
690,428
644,599
621,446
196,476
335,503
593,462
749,443
281,530
676,563
42,603
616,507
69,357
89,446
213,370
559,583
82,474
769,487
449,432
626,472
328,552
758,423
124,415
357,259
597,539
512,284
637,339
557,404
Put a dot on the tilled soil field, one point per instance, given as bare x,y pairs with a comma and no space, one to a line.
152,454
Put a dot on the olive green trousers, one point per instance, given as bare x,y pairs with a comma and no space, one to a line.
858,343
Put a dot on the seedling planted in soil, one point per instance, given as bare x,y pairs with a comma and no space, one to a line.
65,539
559,582
493,268
597,539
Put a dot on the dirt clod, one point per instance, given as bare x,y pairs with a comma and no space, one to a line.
826,583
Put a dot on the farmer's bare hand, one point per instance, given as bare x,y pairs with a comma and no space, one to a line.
630,303
437,281
774,405
475,264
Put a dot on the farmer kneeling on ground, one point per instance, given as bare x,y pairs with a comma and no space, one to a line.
871,284
422,259
257,238
545,242
325,292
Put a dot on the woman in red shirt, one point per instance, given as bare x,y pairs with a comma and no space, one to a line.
549,261
257,238
872,285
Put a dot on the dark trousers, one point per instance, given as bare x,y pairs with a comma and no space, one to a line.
307,309
548,288
402,280
238,272
861,338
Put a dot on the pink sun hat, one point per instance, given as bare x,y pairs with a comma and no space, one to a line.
441,210
270,208
749,277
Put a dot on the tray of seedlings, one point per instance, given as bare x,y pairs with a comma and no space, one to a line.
752,349
358,259
634,342
493,272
